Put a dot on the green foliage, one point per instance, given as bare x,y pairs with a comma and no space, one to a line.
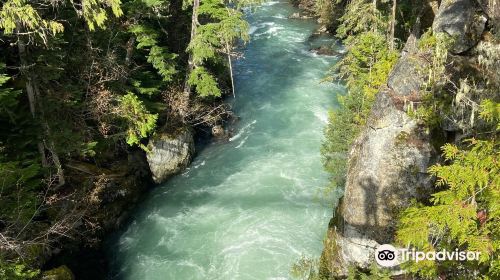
438,45
19,189
205,82
88,149
365,68
465,215
159,57
306,269
16,271
490,112
427,41
20,172
140,123
324,9
451,98
28,16
436,99
79,59
146,83
8,96
214,38
339,135
375,273
464,212
94,11
15,13
361,16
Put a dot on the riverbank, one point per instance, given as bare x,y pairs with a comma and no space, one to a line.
92,111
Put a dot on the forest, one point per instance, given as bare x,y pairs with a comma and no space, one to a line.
85,84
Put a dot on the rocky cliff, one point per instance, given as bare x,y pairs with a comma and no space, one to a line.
387,168
388,162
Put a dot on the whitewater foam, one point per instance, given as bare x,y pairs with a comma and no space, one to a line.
243,130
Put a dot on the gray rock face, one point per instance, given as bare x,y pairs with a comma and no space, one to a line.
406,77
387,168
170,153
463,20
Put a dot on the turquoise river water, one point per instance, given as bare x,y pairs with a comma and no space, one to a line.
247,208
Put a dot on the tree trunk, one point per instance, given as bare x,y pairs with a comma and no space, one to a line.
228,50
191,66
33,93
393,25
230,70
374,4
194,26
130,50
55,157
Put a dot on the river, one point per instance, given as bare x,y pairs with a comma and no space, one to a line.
247,208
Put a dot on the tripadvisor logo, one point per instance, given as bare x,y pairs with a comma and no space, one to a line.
387,255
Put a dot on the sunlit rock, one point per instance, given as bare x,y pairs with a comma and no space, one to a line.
170,152
387,168
463,20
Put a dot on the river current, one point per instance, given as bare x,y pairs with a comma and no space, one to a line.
247,208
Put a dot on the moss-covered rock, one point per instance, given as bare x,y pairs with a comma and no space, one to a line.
59,273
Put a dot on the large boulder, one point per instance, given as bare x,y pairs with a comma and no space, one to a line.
464,20
170,152
387,168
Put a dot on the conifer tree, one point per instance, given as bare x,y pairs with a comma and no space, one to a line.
364,69
217,28
86,82
465,213
27,22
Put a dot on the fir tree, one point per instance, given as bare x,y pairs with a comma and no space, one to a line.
221,26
